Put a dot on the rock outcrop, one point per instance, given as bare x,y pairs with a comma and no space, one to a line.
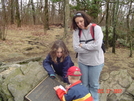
17,80
116,86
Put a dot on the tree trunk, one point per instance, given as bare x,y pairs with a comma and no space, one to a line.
4,12
63,13
4,22
46,17
59,13
12,11
53,14
66,17
129,31
18,14
115,10
33,12
107,23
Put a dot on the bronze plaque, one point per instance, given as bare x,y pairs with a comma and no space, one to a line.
44,91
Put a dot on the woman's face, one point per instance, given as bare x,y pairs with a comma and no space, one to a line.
80,22
59,52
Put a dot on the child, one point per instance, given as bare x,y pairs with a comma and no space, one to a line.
76,91
58,60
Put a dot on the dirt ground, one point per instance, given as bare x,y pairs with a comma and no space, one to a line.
31,41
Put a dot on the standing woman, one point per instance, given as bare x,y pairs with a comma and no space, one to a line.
90,55
58,61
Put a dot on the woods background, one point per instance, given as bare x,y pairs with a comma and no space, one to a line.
29,27
115,16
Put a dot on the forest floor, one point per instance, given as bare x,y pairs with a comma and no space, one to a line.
31,41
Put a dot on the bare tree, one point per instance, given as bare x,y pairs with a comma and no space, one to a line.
129,32
4,12
107,24
61,11
3,22
66,17
12,11
33,12
18,20
52,17
46,17
115,11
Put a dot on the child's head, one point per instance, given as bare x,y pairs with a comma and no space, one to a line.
59,50
73,73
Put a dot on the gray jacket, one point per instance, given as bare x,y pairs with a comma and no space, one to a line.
90,53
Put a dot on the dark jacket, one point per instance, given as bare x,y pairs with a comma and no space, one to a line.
60,68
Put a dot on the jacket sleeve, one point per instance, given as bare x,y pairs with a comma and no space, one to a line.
66,64
47,65
63,96
60,93
95,45
76,43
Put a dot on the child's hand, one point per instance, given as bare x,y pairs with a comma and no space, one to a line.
56,87
67,86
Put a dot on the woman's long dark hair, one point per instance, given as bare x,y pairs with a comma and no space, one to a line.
86,17
58,44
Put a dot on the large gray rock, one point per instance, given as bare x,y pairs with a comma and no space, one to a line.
18,80
116,86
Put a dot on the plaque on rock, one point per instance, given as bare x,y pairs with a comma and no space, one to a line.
44,91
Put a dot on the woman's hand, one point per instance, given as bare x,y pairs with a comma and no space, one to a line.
80,45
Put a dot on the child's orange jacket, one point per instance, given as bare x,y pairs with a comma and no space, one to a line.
76,92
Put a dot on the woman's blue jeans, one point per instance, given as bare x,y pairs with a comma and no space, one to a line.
90,78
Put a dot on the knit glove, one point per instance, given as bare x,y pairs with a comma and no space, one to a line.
52,76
